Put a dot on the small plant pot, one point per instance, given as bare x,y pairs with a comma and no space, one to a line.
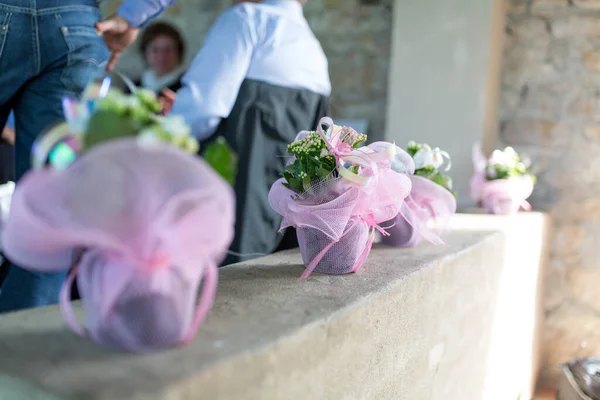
501,206
341,258
140,312
429,201
402,234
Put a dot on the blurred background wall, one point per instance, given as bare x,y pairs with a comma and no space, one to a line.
355,35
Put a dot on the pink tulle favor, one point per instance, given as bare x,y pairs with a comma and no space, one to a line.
428,203
149,225
337,218
499,196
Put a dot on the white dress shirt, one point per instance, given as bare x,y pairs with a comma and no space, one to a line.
269,42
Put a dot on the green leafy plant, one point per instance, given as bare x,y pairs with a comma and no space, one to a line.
222,158
119,115
428,162
312,160
507,164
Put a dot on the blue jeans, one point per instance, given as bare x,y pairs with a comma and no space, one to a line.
48,49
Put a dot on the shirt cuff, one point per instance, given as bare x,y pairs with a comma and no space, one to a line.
139,12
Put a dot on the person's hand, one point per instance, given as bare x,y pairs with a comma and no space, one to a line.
166,99
8,135
118,35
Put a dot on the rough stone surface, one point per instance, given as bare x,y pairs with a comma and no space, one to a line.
550,106
587,4
412,324
355,37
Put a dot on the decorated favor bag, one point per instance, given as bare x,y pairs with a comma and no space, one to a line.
503,183
336,192
431,200
144,222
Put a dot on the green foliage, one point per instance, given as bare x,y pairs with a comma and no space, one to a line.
118,115
430,171
313,161
222,158
507,164
106,125
413,147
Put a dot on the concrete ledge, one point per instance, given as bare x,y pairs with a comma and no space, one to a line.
412,324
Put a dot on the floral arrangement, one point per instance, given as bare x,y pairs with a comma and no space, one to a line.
503,182
507,164
313,161
106,113
428,162
431,199
133,212
336,191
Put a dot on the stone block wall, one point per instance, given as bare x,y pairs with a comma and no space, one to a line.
355,35
550,108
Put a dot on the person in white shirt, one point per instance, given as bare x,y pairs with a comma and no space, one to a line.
261,77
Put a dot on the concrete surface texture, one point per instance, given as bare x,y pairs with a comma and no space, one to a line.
412,324
515,350
550,108
355,35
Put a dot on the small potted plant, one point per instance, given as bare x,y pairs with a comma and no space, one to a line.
431,199
335,191
119,194
502,183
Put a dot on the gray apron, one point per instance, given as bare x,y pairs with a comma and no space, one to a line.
264,120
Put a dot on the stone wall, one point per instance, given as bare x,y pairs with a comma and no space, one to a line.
550,108
355,35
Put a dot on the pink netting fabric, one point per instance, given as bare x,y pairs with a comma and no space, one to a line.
156,222
500,196
336,219
428,202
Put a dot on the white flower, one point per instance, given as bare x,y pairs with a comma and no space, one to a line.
426,157
510,152
438,158
132,102
148,138
500,157
176,126
491,172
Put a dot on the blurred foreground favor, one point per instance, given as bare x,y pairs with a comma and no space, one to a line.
336,192
503,183
431,199
120,196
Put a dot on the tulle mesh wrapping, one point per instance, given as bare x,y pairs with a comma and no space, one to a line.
500,196
154,220
146,312
428,203
339,215
343,255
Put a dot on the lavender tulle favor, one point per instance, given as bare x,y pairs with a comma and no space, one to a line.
429,208
141,217
336,193
142,225
503,183
431,203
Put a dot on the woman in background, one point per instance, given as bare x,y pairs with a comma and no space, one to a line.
163,50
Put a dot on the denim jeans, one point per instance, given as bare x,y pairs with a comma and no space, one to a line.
48,49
